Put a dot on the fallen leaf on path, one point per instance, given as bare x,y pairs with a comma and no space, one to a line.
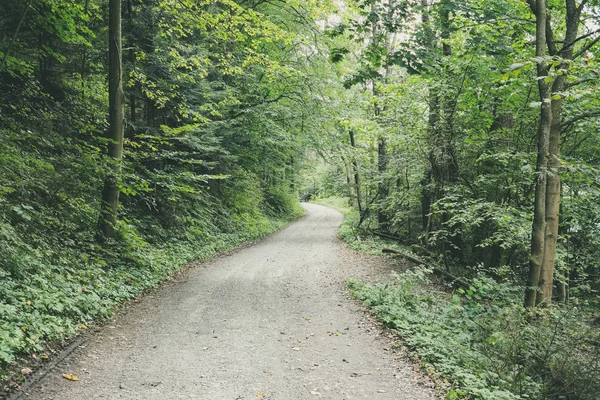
70,377
26,371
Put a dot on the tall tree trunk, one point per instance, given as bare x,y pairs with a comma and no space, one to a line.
430,191
382,217
356,175
133,91
441,110
539,213
553,182
552,199
382,190
110,194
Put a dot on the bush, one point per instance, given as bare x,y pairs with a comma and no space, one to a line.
485,343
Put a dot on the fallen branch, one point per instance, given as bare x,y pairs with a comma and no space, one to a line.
454,280
386,236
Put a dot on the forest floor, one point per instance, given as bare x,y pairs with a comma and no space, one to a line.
271,321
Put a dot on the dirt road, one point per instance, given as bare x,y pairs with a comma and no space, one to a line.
267,322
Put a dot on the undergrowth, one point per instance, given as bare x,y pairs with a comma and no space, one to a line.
480,343
348,230
60,292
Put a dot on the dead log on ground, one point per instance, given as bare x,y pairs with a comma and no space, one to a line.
454,280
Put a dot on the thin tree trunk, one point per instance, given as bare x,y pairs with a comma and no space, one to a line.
553,184
539,214
428,194
110,194
441,110
552,200
382,218
356,175
132,94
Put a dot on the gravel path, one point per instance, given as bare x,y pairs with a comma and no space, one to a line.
271,321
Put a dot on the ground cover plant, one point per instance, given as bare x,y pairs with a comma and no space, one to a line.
482,344
479,341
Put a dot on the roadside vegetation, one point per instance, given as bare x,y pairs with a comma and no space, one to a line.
139,135
116,172
468,146
478,341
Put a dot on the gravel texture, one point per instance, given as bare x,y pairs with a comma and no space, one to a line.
271,321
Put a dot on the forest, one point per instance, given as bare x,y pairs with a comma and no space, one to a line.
138,136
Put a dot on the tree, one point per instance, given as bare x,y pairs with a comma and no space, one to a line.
552,82
110,194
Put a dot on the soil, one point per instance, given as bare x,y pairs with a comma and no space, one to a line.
271,321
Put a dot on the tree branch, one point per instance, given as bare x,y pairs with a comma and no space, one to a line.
581,81
583,3
454,280
585,48
579,117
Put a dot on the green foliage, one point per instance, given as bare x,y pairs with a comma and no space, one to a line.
479,343
350,232
218,104
56,299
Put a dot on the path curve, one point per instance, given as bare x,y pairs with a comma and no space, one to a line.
266,322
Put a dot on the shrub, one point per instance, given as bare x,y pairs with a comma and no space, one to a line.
484,342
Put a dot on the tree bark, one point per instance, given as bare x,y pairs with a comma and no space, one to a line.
441,111
382,218
356,175
110,194
553,181
552,199
133,92
539,213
